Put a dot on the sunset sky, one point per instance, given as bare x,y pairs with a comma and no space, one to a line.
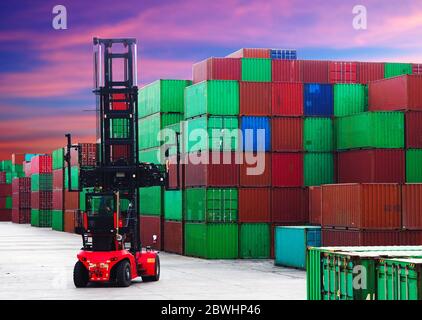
46,74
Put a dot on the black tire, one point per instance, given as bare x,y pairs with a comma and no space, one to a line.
156,277
80,275
123,274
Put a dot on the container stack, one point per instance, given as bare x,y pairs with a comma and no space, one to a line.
6,190
41,191
57,222
21,198
84,156
160,104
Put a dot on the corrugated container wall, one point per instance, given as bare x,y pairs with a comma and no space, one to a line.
349,99
173,237
399,93
412,206
255,169
379,166
254,241
370,71
413,126
413,165
342,72
315,205
318,100
315,71
286,134
254,205
338,237
255,98
286,70
287,169
397,69
287,99
289,205
256,134
251,53
217,69
318,134
256,69
362,206
150,227
318,168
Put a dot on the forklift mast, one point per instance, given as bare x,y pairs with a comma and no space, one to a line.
118,169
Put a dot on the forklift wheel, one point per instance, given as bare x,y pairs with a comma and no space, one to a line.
123,274
156,277
80,275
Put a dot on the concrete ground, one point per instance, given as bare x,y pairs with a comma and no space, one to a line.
38,264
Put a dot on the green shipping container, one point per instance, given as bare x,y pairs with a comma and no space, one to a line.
152,155
318,168
74,171
350,99
17,168
41,218
222,133
337,273
397,69
370,130
213,97
119,128
162,96
58,159
211,205
149,128
42,182
414,165
318,134
399,279
173,205
256,69
151,201
169,137
9,178
6,165
9,203
254,241
57,222
212,240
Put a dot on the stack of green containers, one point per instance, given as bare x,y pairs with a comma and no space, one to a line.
41,198
318,146
57,219
160,106
397,69
6,190
211,211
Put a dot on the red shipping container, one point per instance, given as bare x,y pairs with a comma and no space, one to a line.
362,206
377,165
21,215
41,164
27,169
18,158
286,134
287,99
57,199
251,53
69,221
86,156
151,226
255,98
21,200
21,185
210,173
3,177
289,205
217,69
410,237
398,93
339,237
58,179
370,71
315,205
343,72
2,202
254,205
416,68
255,170
5,190
5,215
173,237
71,200
286,70
315,71
412,206
42,200
173,173
413,129
287,169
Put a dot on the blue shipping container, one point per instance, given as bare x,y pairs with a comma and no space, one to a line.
256,134
318,99
284,54
290,244
29,156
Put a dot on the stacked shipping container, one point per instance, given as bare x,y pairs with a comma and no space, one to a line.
57,222
6,190
21,198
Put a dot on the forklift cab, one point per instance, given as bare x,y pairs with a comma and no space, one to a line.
108,223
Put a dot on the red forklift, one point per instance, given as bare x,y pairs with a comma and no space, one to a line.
109,225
